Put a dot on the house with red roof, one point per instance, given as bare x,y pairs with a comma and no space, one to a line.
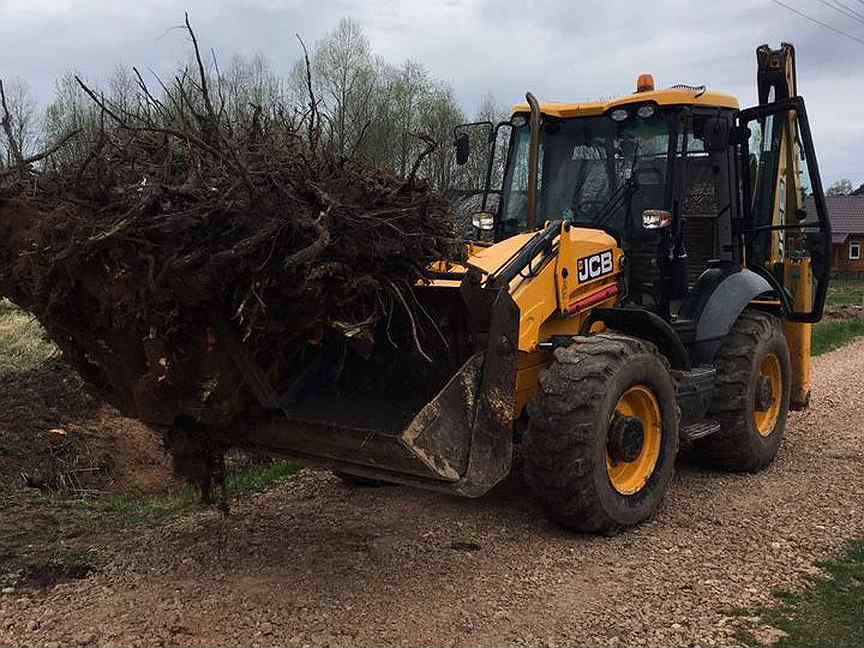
847,233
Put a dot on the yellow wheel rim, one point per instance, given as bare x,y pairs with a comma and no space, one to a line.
766,405
629,477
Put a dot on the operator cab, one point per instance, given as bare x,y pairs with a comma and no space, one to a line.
660,170
594,171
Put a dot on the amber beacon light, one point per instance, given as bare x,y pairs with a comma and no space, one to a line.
645,83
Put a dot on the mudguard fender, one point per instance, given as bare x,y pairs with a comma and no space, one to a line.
716,301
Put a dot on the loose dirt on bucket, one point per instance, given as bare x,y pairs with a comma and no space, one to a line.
316,562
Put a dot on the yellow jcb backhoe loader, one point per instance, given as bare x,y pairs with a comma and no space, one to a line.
648,279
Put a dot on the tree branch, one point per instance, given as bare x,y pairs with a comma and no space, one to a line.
40,156
314,118
205,93
431,145
149,129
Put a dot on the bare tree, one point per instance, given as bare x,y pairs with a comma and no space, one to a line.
345,74
442,115
410,98
840,188
21,130
248,83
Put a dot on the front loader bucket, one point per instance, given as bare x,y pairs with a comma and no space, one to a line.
460,442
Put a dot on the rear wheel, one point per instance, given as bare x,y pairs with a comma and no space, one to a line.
603,435
752,397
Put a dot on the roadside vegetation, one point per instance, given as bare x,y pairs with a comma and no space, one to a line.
844,321
124,511
827,613
830,335
846,292
23,345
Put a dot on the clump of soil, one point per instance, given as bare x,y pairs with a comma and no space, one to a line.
58,436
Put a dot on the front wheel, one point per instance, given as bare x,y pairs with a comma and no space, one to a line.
603,435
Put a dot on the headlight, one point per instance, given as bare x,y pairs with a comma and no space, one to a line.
483,221
654,219
647,110
619,115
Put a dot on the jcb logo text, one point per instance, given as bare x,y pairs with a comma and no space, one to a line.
595,266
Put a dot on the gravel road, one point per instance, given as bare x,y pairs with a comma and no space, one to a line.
315,562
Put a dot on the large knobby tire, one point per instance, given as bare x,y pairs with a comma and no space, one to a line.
753,358
573,459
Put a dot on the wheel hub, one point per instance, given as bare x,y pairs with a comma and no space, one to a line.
764,394
634,440
626,439
768,395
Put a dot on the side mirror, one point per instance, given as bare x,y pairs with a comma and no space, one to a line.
483,221
463,148
656,219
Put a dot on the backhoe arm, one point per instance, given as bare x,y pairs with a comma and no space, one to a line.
777,80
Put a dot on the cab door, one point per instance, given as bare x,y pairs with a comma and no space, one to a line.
786,228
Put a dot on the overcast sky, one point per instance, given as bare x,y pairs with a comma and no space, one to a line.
568,50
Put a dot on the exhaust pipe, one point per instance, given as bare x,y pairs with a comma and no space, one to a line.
533,158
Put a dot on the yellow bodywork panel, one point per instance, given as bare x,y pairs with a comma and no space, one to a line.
555,297
589,260
491,259
799,335
557,294
527,376
537,299
668,97
558,298
445,266
587,263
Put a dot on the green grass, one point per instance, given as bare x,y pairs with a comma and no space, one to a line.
7,307
833,334
125,511
829,612
260,478
23,345
845,292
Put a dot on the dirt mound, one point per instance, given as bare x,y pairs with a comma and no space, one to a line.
56,435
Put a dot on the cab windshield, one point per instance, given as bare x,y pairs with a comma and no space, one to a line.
594,171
